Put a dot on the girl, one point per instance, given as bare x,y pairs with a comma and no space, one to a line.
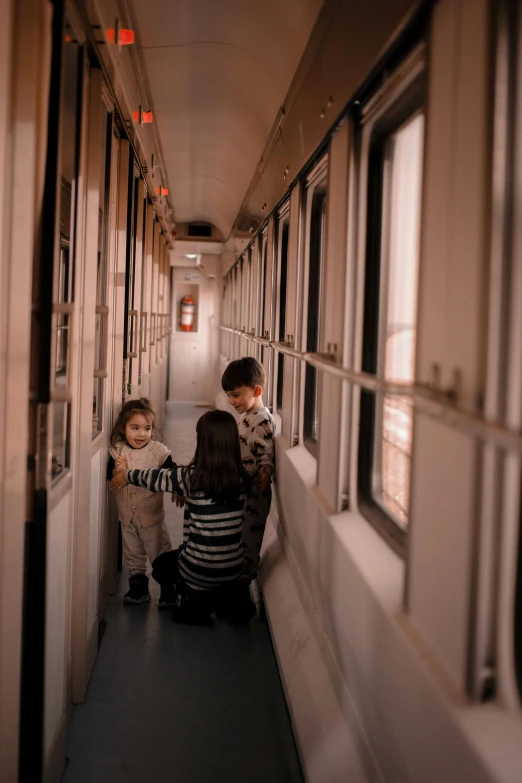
205,569
140,512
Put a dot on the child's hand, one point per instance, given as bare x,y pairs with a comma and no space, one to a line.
121,464
266,476
179,500
118,482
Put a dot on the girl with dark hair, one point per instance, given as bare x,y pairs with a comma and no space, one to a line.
206,568
140,512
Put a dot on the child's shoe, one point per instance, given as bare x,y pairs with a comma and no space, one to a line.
168,598
236,605
138,592
191,612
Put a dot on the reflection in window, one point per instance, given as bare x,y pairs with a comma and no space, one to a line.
263,325
397,331
100,344
282,271
315,277
62,319
63,279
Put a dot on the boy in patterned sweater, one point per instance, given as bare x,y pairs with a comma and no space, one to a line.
243,382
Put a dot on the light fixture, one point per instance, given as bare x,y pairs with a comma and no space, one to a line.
125,36
142,117
191,255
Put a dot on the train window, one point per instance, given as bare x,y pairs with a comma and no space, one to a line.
235,308
315,202
394,142
247,315
63,278
262,299
131,332
283,228
393,431
100,347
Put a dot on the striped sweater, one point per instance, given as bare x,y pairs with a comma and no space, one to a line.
212,551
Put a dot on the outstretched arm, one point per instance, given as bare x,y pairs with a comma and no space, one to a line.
154,479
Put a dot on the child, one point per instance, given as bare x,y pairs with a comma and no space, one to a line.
205,569
243,382
141,513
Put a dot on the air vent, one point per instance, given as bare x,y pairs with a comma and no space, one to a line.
199,230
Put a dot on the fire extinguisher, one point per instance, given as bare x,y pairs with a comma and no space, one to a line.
186,319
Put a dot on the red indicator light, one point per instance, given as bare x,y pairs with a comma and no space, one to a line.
162,192
68,38
143,117
125,36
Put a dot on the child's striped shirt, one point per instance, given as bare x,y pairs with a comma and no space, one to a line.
212,552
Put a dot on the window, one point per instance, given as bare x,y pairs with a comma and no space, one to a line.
63,278
394,152
262,298
315,201
100,347
393,433
282,270
131,327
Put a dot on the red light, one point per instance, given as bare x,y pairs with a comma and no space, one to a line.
68,38
162,192
126,37
144,117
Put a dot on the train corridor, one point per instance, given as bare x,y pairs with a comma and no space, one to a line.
171,702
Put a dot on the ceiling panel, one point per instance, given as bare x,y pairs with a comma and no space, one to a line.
218,70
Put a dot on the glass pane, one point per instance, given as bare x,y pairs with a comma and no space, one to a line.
63,278
283,262
101,278
397,361
317,240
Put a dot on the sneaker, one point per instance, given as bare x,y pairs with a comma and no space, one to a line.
191,612
138,592
236,605
168,598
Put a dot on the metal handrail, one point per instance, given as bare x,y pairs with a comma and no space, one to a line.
261,341
430,402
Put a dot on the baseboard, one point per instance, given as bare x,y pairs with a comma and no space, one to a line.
92,652
331,744
55,761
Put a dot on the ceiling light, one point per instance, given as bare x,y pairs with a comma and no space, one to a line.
191,255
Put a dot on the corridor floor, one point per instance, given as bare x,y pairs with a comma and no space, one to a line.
170,703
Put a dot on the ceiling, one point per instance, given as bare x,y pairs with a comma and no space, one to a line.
218,71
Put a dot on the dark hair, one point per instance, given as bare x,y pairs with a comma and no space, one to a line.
217,469
128,410
243,372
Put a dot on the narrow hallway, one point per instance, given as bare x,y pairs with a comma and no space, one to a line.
169,702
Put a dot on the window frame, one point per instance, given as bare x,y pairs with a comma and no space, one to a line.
399,99
64,289
102,278
316,181
282,220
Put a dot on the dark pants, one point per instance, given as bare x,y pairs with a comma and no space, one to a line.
199,603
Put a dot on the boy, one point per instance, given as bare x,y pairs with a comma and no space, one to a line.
243,382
